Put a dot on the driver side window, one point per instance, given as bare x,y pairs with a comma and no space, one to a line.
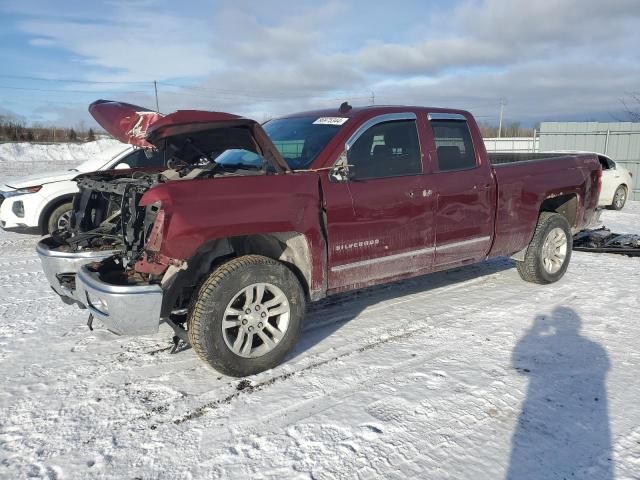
388,149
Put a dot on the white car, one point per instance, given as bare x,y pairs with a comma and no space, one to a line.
42,203
617,182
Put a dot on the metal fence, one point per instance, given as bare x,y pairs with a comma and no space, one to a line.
511,144
618,140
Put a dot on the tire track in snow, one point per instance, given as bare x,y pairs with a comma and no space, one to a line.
381,339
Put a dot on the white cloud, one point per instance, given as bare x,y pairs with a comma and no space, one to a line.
565,57
41,42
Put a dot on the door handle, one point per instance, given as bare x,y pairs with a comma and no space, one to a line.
423,193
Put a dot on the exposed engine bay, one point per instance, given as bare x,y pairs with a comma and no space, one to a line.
106,212
602,240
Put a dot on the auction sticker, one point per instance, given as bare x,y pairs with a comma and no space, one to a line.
330,121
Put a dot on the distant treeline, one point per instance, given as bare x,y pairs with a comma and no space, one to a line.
513,129
16,131
12,130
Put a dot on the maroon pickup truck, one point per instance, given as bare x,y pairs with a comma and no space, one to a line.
249,222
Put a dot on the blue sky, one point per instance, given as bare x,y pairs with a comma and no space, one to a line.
550,60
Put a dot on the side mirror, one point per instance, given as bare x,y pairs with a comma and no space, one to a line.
122,166
341,171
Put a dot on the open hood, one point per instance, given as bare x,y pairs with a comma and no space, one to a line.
128,123
146,128
229,131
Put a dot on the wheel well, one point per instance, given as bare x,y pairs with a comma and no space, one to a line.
290,248
50,207
566,205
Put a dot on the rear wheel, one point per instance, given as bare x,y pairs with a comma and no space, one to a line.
60,217
619,198
549,251
247,315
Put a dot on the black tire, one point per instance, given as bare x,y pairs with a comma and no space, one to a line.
55,215
619,198
532,269
218,290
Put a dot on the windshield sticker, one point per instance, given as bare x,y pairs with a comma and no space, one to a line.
330,121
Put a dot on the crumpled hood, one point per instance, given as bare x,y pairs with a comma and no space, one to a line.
126,122
41,179
145,128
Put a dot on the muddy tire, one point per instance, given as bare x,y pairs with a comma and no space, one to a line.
246,316
619,198
549,252
59,218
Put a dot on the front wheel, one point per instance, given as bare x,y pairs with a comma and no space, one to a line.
548,254
60,218
247,315
619,198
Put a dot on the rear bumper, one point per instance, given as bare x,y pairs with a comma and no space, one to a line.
60,267
123,309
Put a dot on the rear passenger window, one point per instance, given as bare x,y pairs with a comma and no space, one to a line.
454,147
388,149
138,159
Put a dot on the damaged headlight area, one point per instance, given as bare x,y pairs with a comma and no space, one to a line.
107,215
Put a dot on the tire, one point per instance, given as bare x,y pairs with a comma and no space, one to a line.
619,198
57,218
225,292
537,266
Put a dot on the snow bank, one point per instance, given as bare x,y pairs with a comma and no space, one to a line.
25,158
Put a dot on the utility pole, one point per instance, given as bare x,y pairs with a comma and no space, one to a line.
155,88
503,102
373,98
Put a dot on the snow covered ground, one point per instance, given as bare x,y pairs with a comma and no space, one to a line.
53,152
468,374
24,158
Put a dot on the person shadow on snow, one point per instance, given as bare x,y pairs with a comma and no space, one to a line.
563,429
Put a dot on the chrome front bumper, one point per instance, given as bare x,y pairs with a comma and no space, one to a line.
58,264
123,309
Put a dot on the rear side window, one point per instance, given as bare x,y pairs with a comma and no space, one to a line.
388,149
606,163
454,146
138,159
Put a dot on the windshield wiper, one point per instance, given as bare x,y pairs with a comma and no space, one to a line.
239,165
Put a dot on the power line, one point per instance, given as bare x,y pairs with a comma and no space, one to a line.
48,90
72,80
258,95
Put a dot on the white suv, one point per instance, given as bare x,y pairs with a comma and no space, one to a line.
42,203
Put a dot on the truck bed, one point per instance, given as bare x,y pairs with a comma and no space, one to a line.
502,158
525,180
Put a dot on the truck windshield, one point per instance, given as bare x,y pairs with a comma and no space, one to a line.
239,158
301,139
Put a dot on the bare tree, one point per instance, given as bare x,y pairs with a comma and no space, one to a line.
632,107
513,129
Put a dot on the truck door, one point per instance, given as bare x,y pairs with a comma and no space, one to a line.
379,218
464,193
